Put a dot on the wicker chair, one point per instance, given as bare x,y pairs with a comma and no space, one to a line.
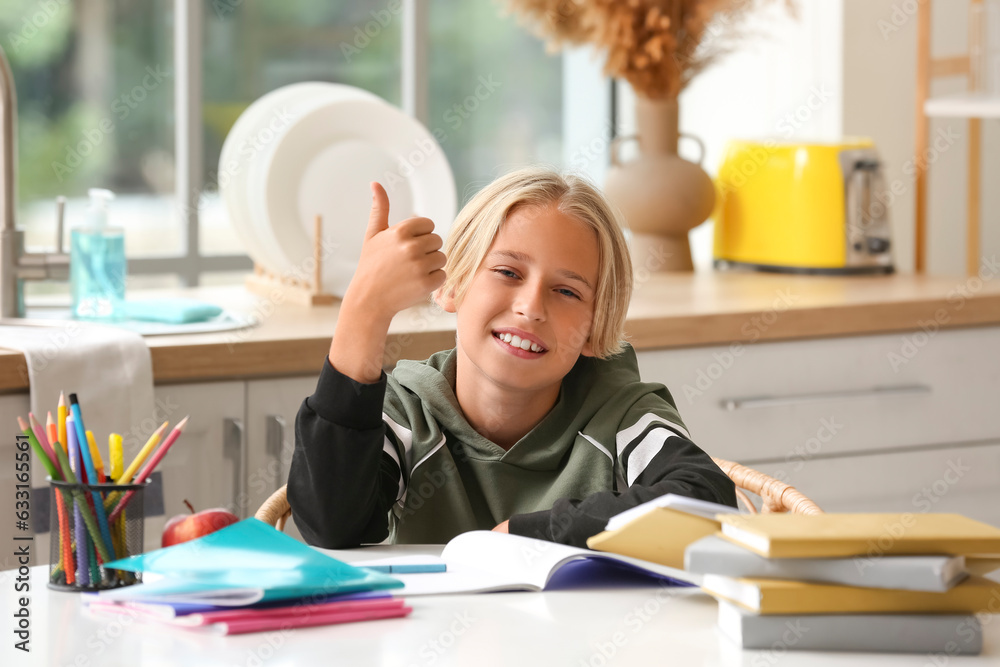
775,496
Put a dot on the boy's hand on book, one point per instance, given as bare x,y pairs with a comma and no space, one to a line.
399,265
502,528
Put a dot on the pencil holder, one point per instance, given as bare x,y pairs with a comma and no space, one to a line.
93,524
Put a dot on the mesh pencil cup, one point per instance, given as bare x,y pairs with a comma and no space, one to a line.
85,535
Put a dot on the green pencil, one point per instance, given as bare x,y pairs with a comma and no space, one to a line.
37,447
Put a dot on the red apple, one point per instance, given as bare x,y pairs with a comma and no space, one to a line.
184,527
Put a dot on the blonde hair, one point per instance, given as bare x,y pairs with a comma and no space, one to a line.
480,220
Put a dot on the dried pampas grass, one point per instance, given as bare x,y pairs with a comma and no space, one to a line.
658,46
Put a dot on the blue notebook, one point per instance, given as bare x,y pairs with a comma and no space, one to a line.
245,563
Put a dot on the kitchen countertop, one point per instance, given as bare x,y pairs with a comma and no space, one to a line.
668,310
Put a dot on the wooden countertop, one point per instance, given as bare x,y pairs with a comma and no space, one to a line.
668,310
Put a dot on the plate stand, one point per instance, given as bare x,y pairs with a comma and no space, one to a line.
297,290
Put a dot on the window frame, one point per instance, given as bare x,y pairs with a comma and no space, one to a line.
582,79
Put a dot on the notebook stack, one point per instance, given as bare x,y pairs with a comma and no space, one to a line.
852,582
248,577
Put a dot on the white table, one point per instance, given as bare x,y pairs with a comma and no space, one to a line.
639,626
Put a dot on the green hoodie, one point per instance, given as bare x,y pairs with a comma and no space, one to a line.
398,458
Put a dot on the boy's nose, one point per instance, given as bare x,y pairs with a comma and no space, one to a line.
530,302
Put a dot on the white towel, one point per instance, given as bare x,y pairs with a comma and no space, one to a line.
109,369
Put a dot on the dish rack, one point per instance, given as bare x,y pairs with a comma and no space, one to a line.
301,292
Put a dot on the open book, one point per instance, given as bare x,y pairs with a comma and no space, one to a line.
484,561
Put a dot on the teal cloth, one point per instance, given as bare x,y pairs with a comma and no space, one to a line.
171,311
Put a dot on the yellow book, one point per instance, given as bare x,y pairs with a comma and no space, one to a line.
777,596
867,535
659,536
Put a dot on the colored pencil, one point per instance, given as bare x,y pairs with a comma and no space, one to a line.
146,450
88,464
61,413
82,556
43,440
95,454
115,455
37,447
79,497
147,469
65,556
52,430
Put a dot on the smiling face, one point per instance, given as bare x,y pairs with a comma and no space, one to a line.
526,316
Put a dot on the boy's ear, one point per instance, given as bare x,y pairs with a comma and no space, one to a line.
588,349
446,299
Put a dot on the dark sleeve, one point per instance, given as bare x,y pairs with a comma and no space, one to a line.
679,467
342,483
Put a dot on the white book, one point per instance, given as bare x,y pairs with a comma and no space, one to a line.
897,633
702,508
714,555
484,561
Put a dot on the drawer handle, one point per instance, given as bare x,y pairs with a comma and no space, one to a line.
750,403
233,444
275,443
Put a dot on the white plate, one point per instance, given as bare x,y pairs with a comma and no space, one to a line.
247,142
322,164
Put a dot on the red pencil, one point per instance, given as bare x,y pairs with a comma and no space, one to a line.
147,469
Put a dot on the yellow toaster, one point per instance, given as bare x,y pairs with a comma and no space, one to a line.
802,207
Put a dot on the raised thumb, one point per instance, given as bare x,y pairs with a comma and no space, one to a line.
378,219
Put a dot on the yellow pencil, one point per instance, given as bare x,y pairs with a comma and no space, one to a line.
115,454
61,414
95,455
146,450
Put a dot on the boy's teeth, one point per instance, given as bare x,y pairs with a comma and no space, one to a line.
517,341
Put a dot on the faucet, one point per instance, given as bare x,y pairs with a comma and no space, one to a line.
16,265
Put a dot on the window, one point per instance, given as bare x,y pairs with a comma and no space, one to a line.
99,83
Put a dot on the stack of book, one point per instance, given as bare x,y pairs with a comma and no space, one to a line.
862,582
248,577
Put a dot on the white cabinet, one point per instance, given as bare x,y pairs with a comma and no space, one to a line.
270,424
815,413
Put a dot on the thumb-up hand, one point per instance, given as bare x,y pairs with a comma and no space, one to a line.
399,265
378,218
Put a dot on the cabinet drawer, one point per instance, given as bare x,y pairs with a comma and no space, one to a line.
786,400
953,479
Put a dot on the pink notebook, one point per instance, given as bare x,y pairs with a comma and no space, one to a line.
239,626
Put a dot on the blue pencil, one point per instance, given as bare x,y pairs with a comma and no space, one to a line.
82,546
88,464
408,568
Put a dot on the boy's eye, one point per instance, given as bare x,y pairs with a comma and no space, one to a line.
506,273
569,292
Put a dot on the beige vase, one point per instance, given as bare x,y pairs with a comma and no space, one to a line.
661,194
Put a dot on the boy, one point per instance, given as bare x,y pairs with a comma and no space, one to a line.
536,422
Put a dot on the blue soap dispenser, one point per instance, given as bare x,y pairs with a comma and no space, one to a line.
97,263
